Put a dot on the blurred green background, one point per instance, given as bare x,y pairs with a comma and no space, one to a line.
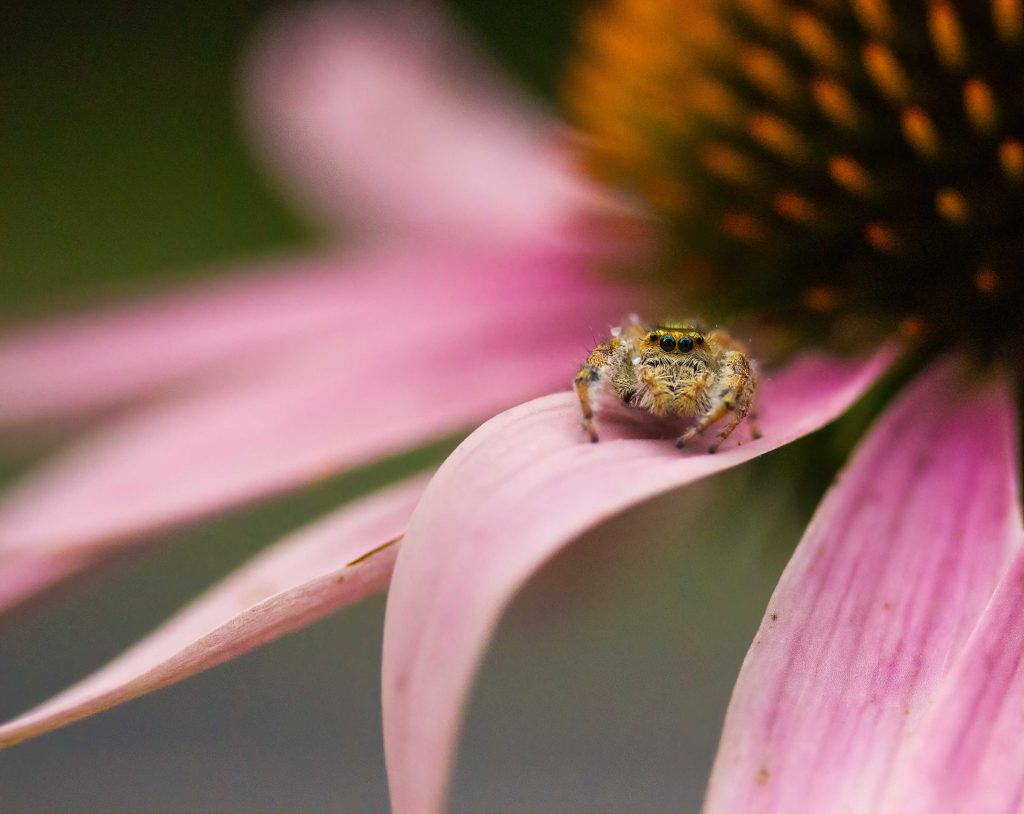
124,168
124,164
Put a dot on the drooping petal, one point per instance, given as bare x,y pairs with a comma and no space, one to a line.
310,574
445,351
890,579
385,118
74,365
24,577
966,754
515,492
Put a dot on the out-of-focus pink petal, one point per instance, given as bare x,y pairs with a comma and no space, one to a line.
24,577
75,364
433,358
514,493
71,365
966,754
383,117
890,579
312,573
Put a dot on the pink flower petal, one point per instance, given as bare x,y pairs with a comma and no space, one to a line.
891,577
464,337
23,578
75,364
386,119
71,365
516,491
966,754
304,577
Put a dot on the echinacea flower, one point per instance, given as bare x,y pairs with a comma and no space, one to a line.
833,174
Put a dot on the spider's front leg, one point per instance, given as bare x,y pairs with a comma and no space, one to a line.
740,411
752,410
589,375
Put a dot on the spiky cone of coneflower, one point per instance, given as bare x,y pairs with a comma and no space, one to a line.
822,161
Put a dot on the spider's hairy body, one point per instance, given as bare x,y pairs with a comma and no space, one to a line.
673,370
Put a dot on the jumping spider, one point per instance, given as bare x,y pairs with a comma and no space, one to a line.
674,370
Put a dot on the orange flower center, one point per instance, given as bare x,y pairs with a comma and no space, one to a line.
855,156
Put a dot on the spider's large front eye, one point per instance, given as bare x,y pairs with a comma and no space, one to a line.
685,344
668,343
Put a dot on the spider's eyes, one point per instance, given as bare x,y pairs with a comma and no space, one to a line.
700,340
668,343
653,337
685,344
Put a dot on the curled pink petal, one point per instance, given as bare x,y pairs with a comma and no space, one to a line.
312,573
384,118
515,492
450,347
890,579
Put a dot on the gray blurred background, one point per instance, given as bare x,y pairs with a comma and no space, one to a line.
123,168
